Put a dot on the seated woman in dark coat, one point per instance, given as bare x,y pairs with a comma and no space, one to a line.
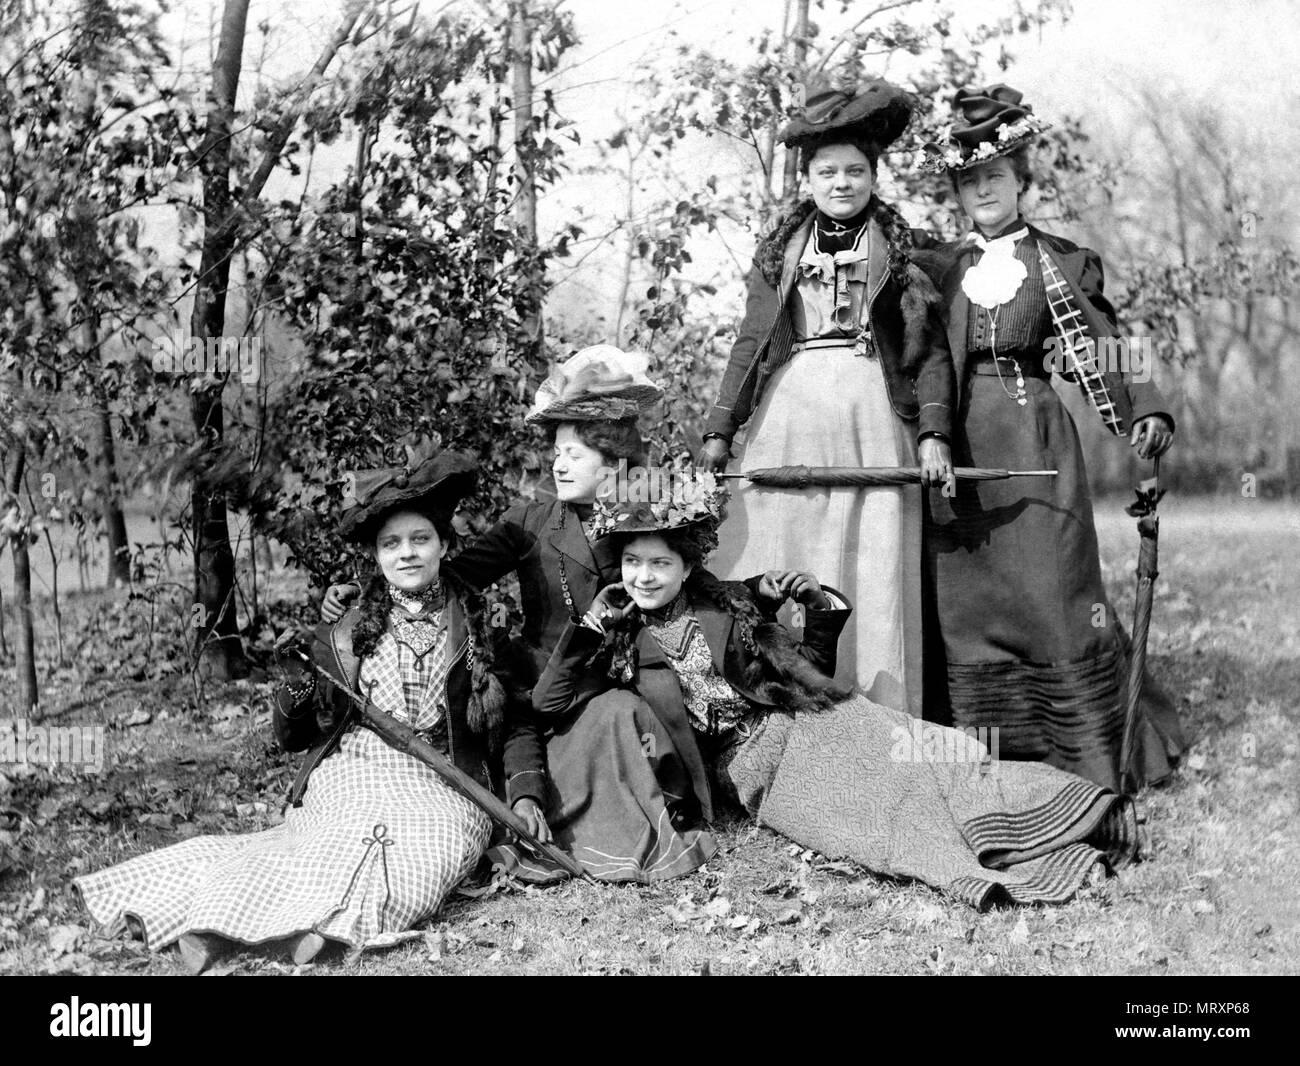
374,839
755,715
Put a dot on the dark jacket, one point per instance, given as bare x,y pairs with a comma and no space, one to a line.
572,676
318,724
1083,271
535,539
908,332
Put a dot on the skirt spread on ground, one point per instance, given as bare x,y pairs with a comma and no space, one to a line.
919,801
377,844
609,768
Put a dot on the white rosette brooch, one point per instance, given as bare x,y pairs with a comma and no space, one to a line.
996,278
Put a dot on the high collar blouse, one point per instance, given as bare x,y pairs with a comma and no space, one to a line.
831,288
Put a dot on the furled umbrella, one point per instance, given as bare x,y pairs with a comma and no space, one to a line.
1143,509
805,477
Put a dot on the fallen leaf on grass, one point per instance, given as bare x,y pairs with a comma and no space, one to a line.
64,938
718,907
1020,934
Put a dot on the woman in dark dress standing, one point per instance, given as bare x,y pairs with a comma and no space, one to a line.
1033,646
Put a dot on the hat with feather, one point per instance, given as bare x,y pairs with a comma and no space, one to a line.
596,384
431,481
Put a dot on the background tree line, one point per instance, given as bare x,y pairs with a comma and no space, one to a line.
413,229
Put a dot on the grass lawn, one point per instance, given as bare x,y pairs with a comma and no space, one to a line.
1216,893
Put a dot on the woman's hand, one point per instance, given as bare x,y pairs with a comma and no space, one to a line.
531,813
337,598
1152,436
936,464
714,455
609,609
781,585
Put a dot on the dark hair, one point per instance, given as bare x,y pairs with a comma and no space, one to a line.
1021,167
694,543
439,516
615,439
829,140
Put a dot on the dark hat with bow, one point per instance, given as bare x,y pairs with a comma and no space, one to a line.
873,111
991,122
432,481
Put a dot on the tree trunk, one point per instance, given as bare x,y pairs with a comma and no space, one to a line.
219,650
25,639
110,489
791,178
521,49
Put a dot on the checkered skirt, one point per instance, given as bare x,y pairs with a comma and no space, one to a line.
377,844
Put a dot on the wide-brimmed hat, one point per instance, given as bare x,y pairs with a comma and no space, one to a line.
875,111
600,383
430,481
683,499
991,122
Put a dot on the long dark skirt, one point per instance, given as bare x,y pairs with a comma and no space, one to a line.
615,788
1032,645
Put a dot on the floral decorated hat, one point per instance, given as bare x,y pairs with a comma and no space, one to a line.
688,498
874,110
431,480
993,122
596,384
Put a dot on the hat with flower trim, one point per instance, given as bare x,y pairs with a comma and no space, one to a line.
596,384
993,122
689,498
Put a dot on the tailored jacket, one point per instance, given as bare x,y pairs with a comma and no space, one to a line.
1084,274
319,723
907,335
577,672
538,539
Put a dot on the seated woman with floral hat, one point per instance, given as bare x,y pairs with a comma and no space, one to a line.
831,771
373,839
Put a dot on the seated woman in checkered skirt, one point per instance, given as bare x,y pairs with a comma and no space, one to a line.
373,839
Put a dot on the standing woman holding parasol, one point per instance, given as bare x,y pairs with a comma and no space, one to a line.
1032,644
841,361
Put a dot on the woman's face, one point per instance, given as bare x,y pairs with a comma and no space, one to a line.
841,180
652,572
990,194
579,469
409,551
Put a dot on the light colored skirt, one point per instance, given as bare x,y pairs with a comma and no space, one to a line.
377,844
914,800
830,407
